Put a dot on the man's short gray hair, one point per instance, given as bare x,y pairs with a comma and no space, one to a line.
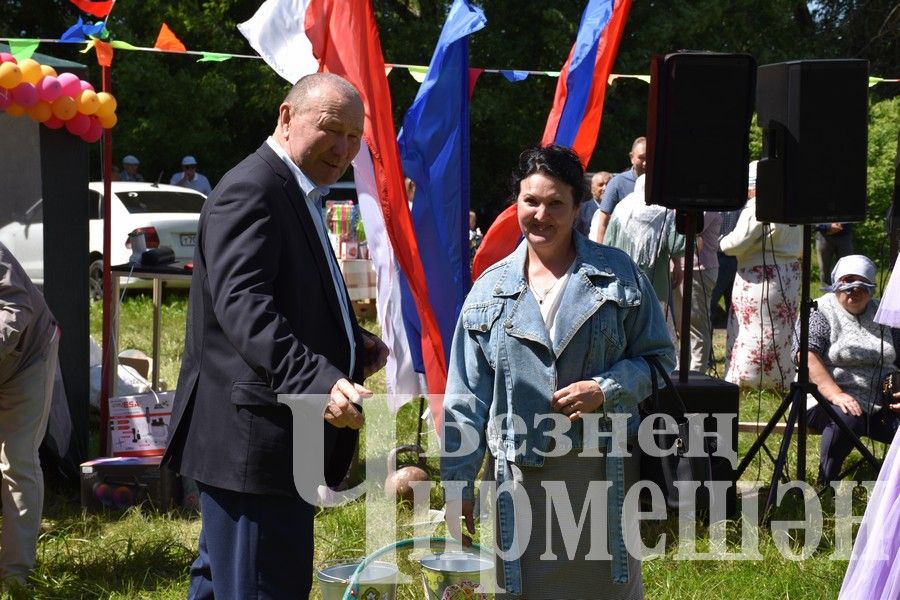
298,95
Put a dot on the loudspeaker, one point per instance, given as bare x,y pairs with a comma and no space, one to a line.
698,129
814,115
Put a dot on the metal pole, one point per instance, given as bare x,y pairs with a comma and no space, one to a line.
108,368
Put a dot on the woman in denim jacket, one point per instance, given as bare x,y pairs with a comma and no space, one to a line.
546,371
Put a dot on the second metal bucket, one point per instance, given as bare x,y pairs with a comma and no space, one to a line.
378,581
452,575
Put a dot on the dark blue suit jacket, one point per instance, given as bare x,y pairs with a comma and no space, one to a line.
263,319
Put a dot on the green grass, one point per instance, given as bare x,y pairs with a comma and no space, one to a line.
146,554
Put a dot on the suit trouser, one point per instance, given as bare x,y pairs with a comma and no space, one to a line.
834,446
724,281
24,410
702,283
829,249
252,547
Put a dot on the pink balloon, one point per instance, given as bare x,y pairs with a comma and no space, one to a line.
25,94
54,123
85,85
49,88
79,124
5,99
71,84
7,57
94,131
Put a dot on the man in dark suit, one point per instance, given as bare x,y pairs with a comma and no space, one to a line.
269,314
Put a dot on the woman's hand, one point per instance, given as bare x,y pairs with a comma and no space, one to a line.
895,405
847,404
578,398
452,511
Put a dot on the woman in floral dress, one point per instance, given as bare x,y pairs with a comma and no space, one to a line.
764,300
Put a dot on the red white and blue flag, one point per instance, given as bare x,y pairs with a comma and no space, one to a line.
434,149
574,120
299,37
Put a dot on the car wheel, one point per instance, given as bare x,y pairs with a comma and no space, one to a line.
95,279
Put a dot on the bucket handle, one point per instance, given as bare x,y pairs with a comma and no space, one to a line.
352,591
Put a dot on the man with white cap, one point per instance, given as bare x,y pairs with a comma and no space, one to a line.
189,177
849,356
130,169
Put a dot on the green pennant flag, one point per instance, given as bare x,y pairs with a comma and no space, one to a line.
875,81
418,73
213,57
23,49
120,45
552,73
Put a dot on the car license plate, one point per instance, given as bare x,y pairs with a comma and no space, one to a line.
188,239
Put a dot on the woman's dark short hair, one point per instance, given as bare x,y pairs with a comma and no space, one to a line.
554,161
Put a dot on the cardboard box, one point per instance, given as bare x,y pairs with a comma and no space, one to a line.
121,482
139,425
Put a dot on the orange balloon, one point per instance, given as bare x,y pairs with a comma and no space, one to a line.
10,75
40,111
15,110
31,70
108,121
64,108
48,71
87,102
107,104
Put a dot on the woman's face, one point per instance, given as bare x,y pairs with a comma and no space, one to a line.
855,300
546,212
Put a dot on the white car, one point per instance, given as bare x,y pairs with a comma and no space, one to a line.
166,214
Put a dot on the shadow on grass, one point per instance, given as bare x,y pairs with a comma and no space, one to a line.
110,553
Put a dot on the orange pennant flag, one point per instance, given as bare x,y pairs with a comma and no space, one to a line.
168,40
104,53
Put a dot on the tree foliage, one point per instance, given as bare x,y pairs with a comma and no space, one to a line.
171,105
884,121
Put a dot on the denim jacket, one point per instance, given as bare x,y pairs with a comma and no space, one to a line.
504,369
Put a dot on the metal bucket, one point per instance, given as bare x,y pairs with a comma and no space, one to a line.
378,581
452,575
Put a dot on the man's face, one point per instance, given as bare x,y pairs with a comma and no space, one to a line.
638,157
323,136
130,169
598,185
189,171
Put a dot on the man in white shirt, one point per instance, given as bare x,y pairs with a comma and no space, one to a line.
269,314
189,177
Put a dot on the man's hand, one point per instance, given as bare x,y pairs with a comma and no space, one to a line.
677,273
578,398
375,353
342,409
847,404
452,511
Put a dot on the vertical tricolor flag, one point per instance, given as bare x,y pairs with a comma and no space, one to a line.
434,149
574,120
298,37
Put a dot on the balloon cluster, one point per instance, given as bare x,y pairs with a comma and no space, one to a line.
121,496
28,87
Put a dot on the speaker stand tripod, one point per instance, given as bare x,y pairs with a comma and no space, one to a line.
796,400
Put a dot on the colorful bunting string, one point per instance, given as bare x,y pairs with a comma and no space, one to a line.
167,40
98,9
79,33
